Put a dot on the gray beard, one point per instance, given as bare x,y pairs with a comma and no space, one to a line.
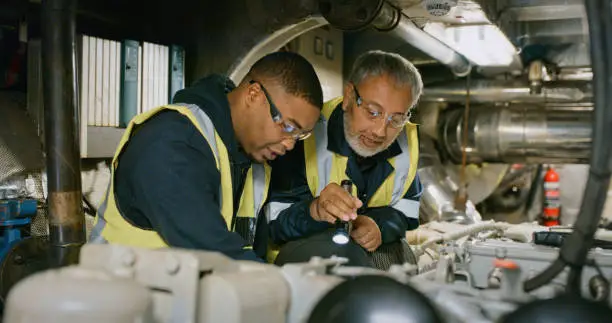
355,143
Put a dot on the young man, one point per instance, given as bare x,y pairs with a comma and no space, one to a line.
366,138
193,174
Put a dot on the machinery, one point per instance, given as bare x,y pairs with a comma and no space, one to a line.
467,270
470,273
15,218
21,165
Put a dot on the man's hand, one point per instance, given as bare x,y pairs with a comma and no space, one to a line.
366,233
334,203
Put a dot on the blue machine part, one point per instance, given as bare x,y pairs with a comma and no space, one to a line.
14,214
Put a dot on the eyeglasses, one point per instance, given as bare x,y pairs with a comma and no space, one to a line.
396,120
288,128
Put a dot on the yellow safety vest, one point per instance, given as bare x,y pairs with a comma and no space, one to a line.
324,167
111,227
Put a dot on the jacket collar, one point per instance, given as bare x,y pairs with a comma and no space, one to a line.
336,141
210,94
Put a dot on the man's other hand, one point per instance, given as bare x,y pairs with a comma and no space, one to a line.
366,233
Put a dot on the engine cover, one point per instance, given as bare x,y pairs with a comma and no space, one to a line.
531,259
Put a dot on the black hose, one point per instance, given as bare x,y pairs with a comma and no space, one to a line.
573,281
544,277
575,248
536,184
91,209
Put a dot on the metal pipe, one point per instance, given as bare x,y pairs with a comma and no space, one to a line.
513,91
519,134
351,15
394,21
438,198
66,219
575,73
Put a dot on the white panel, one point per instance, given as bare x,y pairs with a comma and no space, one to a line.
106,82
156,80
117,82
165,75
84,86
91,94
112,86
150,59
162,81
153,84
99,80
145,76
151,78
140,80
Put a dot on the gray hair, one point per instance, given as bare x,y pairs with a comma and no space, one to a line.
377,63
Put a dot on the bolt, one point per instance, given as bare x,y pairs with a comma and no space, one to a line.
362,14
128,258
18,260
316,260
172,265
501,253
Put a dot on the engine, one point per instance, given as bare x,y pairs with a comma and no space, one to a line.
465,273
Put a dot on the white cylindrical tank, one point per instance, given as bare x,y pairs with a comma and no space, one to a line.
77,294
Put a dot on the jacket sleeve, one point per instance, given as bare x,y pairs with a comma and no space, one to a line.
288,208
396,219
176,186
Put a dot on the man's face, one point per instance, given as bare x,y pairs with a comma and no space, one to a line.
279,121
368,107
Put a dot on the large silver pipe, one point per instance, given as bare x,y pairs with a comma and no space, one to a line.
575,73
512,91
355,15
518,134
395,22
438,198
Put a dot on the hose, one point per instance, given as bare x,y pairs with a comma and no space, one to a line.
536,183
575,248
90,208
451,236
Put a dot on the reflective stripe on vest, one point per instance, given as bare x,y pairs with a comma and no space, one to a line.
110,226
254,194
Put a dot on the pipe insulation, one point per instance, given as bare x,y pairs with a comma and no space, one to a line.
512,91
361,14
399,25
518,134
463,232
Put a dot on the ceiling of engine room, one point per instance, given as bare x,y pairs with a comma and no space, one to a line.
555,30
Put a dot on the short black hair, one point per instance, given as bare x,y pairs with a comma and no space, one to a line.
292,72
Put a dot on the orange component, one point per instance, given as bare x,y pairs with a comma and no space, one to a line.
505,263
552,202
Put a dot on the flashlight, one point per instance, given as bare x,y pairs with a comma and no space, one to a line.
343,228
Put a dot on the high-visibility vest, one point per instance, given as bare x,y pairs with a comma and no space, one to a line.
111,227
324,167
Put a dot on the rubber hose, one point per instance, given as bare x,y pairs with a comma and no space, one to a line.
575,249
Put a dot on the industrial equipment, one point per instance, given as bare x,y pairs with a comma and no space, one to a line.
16,212
466,273
465,270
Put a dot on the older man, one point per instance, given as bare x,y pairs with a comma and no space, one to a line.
366,137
